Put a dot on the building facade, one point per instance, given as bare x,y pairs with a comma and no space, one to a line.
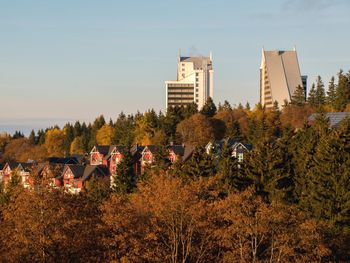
194,82
279,77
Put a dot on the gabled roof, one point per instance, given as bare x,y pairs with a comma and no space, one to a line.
334,118
152,148
104,149
248,147
55,168
177,149
120,148
189,149
25,166
12,165
84,172
60,160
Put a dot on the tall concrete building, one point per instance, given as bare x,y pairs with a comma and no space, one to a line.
194,82
279,77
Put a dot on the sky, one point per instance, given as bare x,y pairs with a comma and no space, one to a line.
74,60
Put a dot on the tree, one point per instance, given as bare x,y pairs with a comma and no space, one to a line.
48,226
209,108
164,221
77,146
267,166
312,98
329,190
196,130
124,180
298,97
320,92
331,94
342,91
104,135
32,138
255,231
54,142
123,130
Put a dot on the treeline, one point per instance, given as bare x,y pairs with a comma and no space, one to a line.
181,125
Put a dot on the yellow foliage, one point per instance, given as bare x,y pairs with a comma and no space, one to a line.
104,135
54,142
76,146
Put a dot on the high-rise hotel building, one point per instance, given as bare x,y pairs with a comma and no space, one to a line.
279,77
194,82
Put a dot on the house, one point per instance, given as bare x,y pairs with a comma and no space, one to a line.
53,173
148,155
8,170
99,153
335,118
215,147
238,149
76,176
115,157
24,170
175,152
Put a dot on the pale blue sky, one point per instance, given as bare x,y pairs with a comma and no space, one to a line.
75,59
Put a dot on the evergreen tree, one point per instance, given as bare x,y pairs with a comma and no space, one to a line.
230,169
320,92
226,106
298,97
209,108
331,94
200,165
267,168
189,110
17,135
247,106
41,137
329,192
31,138
68,137
124,180
342,91
312,100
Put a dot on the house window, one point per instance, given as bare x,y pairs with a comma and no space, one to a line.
197,85
240,157
183,75
197,79
197,101
196,90
197,74
197,95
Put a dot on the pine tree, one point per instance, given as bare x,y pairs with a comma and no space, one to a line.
31,138
329,194
298,97
230,169
209,108
342,91
267,167
312,100
331,94
124,180
320,92
200,165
